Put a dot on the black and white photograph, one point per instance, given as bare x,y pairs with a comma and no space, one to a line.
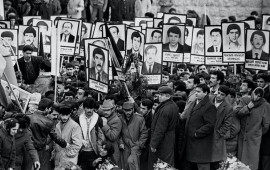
160,15
213,41
150,24
4,24
197,47
118,34
2,13
85,34
130,23
56,18
9,40
175,19
139,21
98,30
28,20
249,24
266,22
153,35
138,28
135,43
158,23
98,68
173,38
45,27
188,43
191,21
28,35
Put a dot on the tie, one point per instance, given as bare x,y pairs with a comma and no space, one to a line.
216,49
150,69
98,78
256,54
65,38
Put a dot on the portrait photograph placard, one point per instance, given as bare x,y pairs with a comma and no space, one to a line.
2,13
10,42
118,32
173,38
135,43
257,49
188,43
4,24
191,21
98,30
175,19
158,22
142,21
56,18
68,31
153,35
45,27
85,34
197,48
98,68
233,35
266,22
28,20
249,24
28,35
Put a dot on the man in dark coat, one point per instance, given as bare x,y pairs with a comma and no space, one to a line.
150,66
163,125
174,36
66,36
119,42
199,130
136,40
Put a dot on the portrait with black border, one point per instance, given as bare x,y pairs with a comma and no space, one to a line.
266,22
249,24
118,32
28,35
233,36
138,28
142,21
197,47
45,27
28,20
56,18
134,43
191,21
188,43
213,40
175,19
10,36
68,30
85,34
257,49
98,62
4,24
153,35
98,30
173,38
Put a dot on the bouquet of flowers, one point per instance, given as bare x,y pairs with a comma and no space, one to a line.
161,165
232,163
107,165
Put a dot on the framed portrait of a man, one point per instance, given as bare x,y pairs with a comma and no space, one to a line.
197,47
187,43
9,40
266,22
176,19
213,41
173,38
118,34
142,21
28,20
28,35
4,24
45,27
158,22
153,35
85,34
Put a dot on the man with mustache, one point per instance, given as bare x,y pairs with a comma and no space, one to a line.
198,47
97,72
66,35
233,32
216,41
257,41
29,36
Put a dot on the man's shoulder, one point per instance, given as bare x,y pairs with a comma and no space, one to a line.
157,64
210,49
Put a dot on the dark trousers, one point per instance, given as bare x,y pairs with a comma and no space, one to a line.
144,158
265,162
44,159
86,159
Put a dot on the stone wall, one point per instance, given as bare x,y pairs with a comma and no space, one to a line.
219,9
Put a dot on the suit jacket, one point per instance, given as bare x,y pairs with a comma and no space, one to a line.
180,48
155,69
120,44
211,49
129,52
264,55
103,77
187,48
71,38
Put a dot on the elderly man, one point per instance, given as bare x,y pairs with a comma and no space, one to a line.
150,66
163,128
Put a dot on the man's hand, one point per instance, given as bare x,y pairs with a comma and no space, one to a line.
37,165
105,121
95,162
122,146
153,149
250,105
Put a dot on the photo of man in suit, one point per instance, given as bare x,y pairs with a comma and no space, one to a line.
156,36
216,41
119,42
257,41
198,47
187,48
43,28
97,71
29,35
150,66
233,33
174,36
136,40
66,35
8,37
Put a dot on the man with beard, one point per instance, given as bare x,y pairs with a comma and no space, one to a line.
97,72
119,42
66,35
257,41
233,32
71,133
198,47
174,36
136,44
216,41
216,79
29,35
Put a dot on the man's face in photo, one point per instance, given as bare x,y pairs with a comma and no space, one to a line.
28,38
156,37
150,55
136,43
233,35
43,29
7,41
114,32
257,41
99,61
200,40
174,38
67,28
267,25
216,38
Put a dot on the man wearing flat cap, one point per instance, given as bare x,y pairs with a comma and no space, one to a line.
134,135
112,126
8,37
29,35
163,128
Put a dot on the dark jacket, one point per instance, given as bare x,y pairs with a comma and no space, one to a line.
7,150
264,55
120,44
211,49
187,48
103,77
71,38
201,120
163,130
166,48
156,68
129,52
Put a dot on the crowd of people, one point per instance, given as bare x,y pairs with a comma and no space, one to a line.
192,120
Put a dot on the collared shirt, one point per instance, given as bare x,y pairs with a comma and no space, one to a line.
88,147
234,46
217,48
256,54
65,38
174,49
148,67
